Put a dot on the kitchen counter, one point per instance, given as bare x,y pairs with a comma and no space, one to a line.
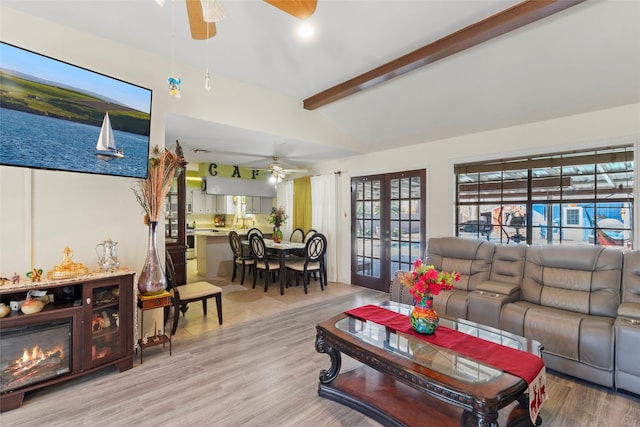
214,256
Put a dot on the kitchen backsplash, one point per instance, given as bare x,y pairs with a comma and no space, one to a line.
207,221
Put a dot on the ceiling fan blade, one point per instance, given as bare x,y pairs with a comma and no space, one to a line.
300,9
200,30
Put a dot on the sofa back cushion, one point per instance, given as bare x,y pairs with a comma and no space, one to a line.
469,257
508,264
631,277
584,279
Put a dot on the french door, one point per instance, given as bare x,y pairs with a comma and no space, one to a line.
387,226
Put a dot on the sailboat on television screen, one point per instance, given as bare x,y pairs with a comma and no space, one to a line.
106,145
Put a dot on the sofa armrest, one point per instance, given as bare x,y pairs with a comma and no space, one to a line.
485,303
629,312
498,288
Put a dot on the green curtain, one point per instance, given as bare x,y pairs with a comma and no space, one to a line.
302,203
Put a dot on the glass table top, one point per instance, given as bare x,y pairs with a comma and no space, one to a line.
439,359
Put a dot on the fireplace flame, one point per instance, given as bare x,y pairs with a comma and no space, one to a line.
37,355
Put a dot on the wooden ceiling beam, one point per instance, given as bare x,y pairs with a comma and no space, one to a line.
501,23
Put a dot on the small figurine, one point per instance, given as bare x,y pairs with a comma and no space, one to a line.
97,323
35,274
174,86
117,318
15,279
145,338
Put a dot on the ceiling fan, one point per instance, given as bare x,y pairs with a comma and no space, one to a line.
278,171
203,14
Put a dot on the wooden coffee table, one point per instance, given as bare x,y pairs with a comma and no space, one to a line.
405,381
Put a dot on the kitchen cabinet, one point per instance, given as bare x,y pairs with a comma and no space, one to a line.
252,205
203,203
258,205
225,204
95,313
171,209
266,203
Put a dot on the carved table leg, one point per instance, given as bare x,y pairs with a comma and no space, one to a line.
470,419
336,359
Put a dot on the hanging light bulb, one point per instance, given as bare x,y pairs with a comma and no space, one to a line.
207,80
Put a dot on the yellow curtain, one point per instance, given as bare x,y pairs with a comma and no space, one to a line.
302,203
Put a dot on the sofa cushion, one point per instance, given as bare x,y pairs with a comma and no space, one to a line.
579,337
469,257
507,265
581,279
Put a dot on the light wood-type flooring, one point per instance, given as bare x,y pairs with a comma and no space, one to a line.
260,368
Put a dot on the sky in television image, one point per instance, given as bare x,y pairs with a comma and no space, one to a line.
55,115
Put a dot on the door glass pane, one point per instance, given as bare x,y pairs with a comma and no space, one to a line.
389,226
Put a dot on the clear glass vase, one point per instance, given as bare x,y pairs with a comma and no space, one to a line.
424,319
152,280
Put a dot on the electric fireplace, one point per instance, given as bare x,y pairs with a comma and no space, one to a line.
35,353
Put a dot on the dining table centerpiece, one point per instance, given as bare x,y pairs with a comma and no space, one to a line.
425,282
277,218
150,194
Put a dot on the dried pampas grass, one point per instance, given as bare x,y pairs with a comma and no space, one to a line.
151,192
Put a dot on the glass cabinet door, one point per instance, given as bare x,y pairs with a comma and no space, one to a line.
106,340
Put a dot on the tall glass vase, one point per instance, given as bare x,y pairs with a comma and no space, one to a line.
152,279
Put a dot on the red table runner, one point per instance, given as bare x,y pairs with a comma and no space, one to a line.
516,362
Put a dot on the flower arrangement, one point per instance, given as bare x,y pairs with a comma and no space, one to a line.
151,192
277,216
425,281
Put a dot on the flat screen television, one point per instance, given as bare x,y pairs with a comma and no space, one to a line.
58,116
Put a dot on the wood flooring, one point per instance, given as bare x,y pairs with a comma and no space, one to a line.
260,372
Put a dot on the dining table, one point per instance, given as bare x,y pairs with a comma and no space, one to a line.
282,248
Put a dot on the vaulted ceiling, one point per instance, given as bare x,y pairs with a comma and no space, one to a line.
581,59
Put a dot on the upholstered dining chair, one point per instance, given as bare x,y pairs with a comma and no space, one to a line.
261,260
184,294
314,261
309,234
254,230
239,257
297,235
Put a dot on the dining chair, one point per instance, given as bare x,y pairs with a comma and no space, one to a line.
308,235
297,235
184,294
254,230
239,256
261,260
313,262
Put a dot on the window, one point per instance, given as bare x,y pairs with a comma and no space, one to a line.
581,197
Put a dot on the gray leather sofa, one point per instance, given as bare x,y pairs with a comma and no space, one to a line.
569,301
581,302
627,326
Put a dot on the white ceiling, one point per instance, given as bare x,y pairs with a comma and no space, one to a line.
583,59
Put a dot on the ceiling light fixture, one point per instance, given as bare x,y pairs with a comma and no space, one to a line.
276,177
305,30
